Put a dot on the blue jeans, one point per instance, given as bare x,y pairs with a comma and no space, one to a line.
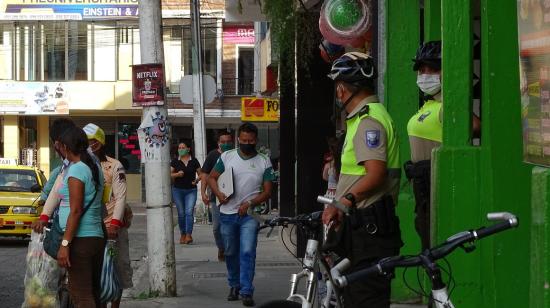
215,210
240,238
185,200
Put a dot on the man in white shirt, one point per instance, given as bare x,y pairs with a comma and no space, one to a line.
252,182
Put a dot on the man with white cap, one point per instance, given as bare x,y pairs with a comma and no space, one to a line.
119,215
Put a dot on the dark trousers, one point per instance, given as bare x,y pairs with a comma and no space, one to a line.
86,257
421,188
372,292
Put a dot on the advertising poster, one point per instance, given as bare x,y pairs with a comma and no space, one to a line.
147,85
238,35
254,109
534,42
34,98
67,9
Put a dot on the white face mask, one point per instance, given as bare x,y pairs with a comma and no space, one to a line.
429,83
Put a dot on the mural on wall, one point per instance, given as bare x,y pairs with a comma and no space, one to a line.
534,42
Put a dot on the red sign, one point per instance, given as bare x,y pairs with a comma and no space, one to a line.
238,35
147,85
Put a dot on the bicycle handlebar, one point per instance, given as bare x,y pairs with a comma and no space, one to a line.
388,264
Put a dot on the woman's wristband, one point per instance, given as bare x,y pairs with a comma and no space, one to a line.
44,218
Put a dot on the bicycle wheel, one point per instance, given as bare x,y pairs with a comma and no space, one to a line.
280,304
336,299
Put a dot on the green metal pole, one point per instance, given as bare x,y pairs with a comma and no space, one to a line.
432,20
457,71
401,100
456,172
506,179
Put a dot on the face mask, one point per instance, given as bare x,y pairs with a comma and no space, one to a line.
248,149
183,152
226,146
429,84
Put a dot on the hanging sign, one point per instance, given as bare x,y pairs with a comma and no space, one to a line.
254,109
67,9
147,85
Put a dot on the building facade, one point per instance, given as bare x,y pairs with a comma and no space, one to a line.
60,59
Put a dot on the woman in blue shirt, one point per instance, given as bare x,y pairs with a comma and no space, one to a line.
81,250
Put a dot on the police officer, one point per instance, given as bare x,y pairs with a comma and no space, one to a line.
369,179
425,133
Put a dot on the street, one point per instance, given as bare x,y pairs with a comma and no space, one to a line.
201,279
12,270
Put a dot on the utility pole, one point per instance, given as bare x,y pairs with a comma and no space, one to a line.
198,88
160,230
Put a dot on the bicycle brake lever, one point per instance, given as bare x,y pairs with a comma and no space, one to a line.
468,248
270,230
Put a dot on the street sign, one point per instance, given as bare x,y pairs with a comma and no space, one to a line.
255,109
186,89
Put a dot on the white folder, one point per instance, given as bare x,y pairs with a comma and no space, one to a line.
225,182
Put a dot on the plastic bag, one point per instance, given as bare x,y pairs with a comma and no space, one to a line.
42,276
110,284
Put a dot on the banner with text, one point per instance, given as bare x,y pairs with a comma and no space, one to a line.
254,109
67,9
34,98
147,85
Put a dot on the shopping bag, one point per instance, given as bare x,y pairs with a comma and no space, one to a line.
110,284
41,277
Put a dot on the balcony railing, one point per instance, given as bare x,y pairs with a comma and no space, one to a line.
237,86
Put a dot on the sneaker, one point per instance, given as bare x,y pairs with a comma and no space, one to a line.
221,256
248,301
233,294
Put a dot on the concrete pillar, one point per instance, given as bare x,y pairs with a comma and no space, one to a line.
11,136
43,144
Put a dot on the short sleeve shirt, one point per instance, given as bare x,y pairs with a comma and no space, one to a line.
210,161
249,174
91,222
189,173
375,149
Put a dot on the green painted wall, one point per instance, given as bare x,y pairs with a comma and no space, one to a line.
472,181
401,99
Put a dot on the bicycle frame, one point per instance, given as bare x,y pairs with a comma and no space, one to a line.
311,265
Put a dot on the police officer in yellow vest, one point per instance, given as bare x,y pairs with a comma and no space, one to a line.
369,178
425,133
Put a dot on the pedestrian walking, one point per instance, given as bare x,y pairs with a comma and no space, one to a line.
118,213
225,143
184,172
252,182
330,172
369,179
82,247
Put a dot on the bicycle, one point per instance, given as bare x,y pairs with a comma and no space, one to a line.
314,262
426,259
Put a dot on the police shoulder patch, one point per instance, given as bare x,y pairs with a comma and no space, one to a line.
373,138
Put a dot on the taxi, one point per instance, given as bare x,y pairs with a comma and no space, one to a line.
20,188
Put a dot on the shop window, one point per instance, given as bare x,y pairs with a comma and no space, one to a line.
209,48
129,153
6,46
77,57
126,49
104,52
245,78
54,51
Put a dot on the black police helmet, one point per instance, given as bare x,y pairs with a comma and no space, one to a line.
428,54
354,68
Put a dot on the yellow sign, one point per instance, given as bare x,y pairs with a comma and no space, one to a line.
255,109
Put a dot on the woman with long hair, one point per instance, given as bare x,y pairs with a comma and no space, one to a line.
80,216
184,172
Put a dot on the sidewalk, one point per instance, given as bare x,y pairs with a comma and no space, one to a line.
201,279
